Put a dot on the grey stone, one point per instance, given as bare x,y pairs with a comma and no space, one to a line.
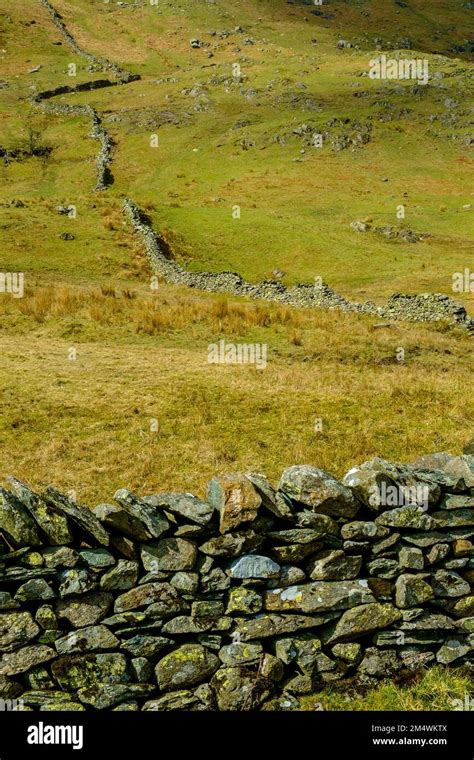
169,555
56,527
16,523
264,626
185,582
147,646
452,650
296,536
351,653
449,584
85,609
236,500
16,630
231,544
35,590
317,489
24,659
187,666
142,669
454,518
93,639
240,654
162,595
379,663
383,567
362,620
76,581
238,690
334,566
80,671
406,517
359,530
175,700
122,521
254,566
411,558
437,553
453,501
46,618
244,601
412,590
184,505
319,596
207,609
79,515
105,696
7,602
152,519
122,577
322,524
60,556
97,558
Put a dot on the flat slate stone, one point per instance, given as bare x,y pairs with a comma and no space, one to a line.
254,566
320,596
454,518
80,671
16,630
163,595
187,666
105,696
56,526
16,523
85,609
362,620
183,504
334,566
263,626
155,522
79,515
319,490
122,521
169,555
406,517
93,639
24,659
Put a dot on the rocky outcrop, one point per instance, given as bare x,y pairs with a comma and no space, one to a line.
244,600
424,307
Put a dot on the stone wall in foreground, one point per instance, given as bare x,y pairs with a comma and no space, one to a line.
244,601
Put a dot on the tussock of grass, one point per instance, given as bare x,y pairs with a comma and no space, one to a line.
436,689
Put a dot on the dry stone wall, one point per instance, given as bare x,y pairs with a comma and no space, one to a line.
423,307
246,600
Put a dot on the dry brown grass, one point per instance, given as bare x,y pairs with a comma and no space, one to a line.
85,424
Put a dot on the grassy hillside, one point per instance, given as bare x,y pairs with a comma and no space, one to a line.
139,405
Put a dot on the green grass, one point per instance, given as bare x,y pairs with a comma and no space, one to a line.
438,689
